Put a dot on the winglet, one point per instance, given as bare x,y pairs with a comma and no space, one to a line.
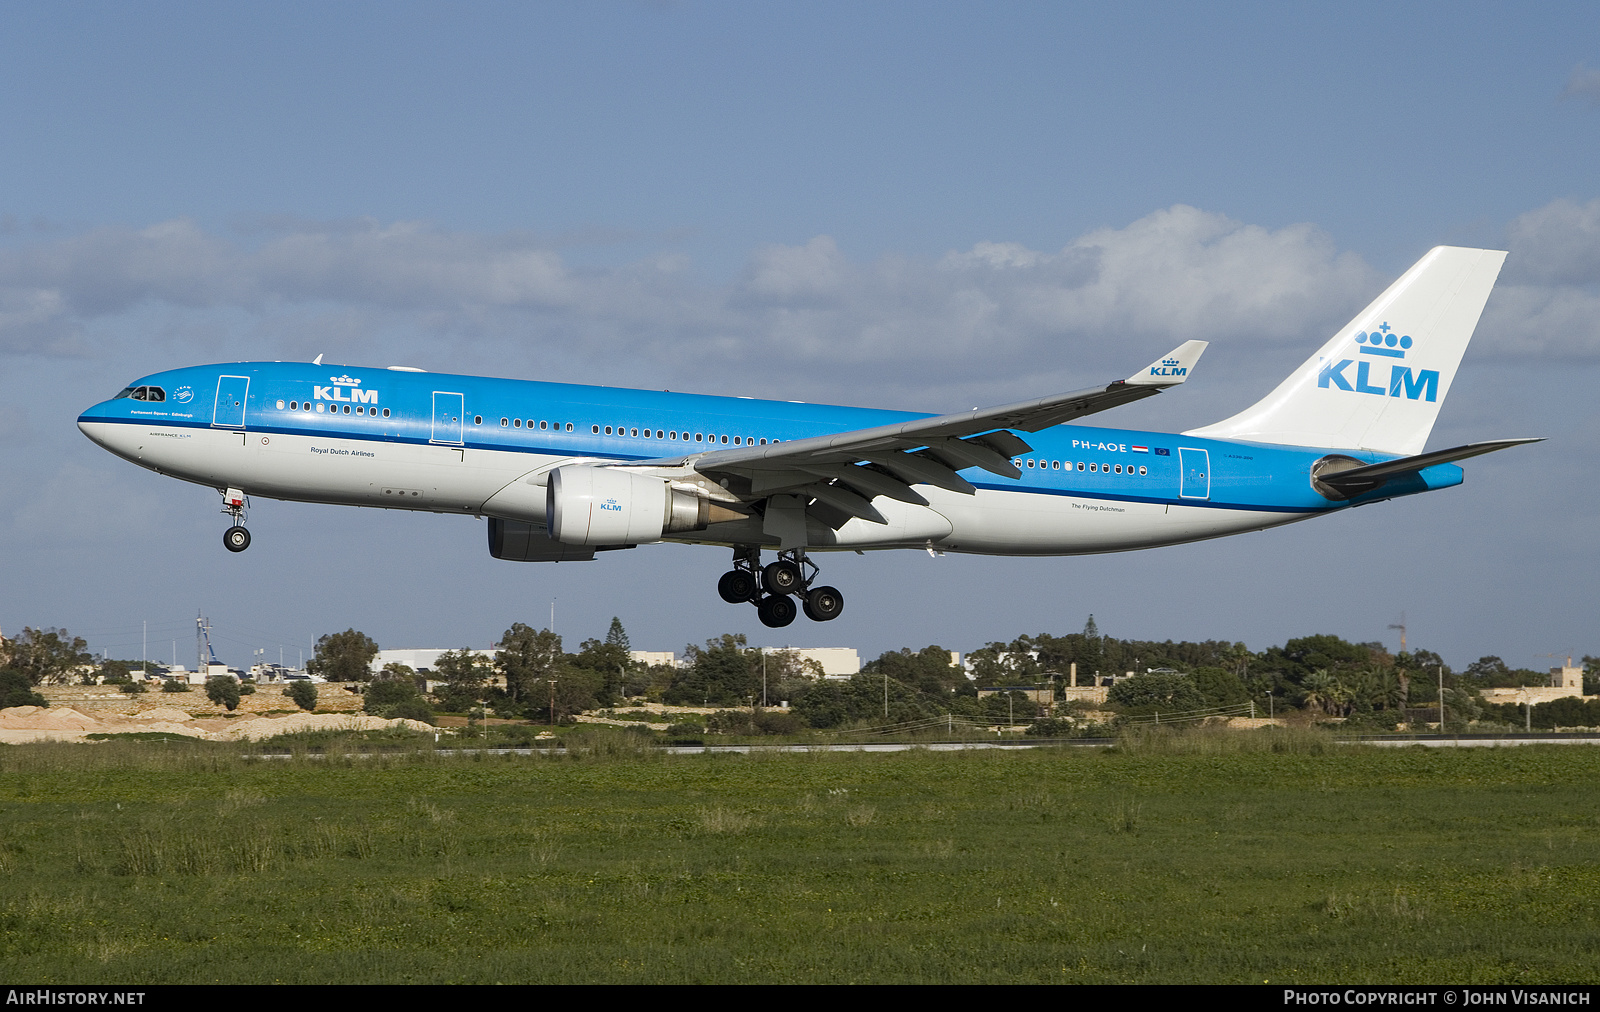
1170,369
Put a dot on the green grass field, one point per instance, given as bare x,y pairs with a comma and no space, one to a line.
1197,858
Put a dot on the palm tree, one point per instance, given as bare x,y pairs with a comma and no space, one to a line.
1319,687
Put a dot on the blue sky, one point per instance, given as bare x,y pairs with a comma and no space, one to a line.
864,203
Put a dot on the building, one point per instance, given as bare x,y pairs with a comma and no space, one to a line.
654,657
836,662
1565,681
421,659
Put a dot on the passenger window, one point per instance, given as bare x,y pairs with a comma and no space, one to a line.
608,430
763,441
347,409
505,423
1142,470
724,439
386,412
320,407
476,419
1080,465
660,434
698,437
1030,462
635,432
1119,468
1094,467
517,423
569,426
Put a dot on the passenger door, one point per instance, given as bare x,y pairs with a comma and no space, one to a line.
447,411
1196,468
232,392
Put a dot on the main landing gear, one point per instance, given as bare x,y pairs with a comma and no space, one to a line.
235,538
774,588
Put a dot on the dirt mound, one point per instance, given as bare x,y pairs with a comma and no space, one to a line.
19,724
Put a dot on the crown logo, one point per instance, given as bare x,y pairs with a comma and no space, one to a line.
346,381
1169,361
1383,341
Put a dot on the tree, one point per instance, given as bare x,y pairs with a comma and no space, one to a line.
616,636
720,674
464,672
1220,687
115,673
304,694
16,690
1156,693
527,659
344,657
397,697
607,663
929,669
48,656
224,691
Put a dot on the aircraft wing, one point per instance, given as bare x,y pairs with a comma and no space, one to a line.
844,471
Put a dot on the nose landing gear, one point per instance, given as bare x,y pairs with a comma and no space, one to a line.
235,538
773,588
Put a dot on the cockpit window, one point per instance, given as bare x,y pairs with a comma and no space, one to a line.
155,394
142,394
126,392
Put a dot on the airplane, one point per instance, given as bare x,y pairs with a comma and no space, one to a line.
562,472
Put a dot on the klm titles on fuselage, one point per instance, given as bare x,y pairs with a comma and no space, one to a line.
337,391
1384,343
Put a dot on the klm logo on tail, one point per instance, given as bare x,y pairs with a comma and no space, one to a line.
1169,367
1383,343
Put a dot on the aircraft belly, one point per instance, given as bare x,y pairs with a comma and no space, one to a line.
1020,523
372,473
908,524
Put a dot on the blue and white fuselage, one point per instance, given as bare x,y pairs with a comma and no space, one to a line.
454,444
564,470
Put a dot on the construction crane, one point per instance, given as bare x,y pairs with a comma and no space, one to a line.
1401,625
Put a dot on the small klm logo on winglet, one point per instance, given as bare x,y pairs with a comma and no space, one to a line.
1168,367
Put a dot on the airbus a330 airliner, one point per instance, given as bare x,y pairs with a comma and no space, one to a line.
563,471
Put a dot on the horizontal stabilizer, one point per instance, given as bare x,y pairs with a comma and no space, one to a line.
1355,480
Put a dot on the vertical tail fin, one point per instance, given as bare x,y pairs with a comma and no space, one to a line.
1378,384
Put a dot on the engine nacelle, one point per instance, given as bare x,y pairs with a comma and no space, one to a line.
587,505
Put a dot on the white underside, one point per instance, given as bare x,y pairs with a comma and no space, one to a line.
450,479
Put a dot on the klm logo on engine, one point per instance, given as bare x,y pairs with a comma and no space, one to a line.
342,386
1382,343
1168,367
612,505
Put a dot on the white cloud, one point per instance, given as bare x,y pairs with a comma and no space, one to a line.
971,322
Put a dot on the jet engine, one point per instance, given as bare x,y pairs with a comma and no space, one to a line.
587,505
